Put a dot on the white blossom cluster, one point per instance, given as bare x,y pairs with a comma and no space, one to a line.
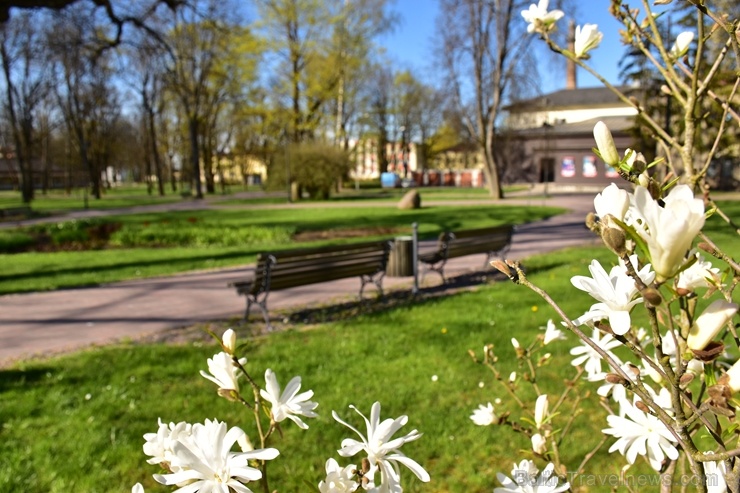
200,457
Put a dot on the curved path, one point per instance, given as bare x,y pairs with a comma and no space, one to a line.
57,321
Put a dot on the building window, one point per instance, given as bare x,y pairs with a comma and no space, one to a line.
568,167
589,166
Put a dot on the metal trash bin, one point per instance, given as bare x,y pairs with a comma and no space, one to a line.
401,259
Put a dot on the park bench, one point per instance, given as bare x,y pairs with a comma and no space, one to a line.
494,241
21,211
299,267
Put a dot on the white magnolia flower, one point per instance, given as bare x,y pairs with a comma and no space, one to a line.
512,377
539,19
643,336
669,230
159,445
552,333
223,372
484,415
661,398
650,371
640,433
681,46
710,323
698,275
612,201
540,411
527,481
605,144
381,449
615,291
515,343
289,404
715,472
206,462
339,479
539,444
588,37
137,488
588,357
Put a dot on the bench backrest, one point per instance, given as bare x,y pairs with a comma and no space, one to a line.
302,266
481,240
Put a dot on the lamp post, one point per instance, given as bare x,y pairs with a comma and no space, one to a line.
403,151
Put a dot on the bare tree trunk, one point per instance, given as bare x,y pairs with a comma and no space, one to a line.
194,157
21,134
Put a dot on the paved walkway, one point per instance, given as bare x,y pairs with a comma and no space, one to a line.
57,321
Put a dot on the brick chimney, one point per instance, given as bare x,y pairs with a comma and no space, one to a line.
570,68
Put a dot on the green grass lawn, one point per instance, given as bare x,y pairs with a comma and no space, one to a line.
375,193
167,243
75,423
56,201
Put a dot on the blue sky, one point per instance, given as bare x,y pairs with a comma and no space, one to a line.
411,44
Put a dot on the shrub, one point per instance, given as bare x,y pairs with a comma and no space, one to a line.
314,167
15,241
185,234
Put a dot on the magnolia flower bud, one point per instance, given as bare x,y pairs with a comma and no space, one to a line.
539,444
229,341
615,379
591,222
615,240
695,367
652,296
635,161
642,407
707,248
512,377
733,377
540,411
709,323
501,266
662,2
681,46
229,394
686,379
605,144
632,369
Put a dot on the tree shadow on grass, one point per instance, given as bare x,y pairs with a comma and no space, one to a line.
347,310
20,378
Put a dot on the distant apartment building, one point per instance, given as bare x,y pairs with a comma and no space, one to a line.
403,159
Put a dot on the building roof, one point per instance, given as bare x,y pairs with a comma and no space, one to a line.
571,98
616,124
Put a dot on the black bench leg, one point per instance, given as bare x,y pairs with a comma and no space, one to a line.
262,305
378,281
439,269
249,307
